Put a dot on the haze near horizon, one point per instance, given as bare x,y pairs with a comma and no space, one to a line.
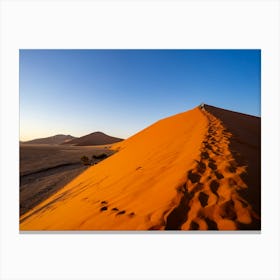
120,92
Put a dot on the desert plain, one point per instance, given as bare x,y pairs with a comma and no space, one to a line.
45,168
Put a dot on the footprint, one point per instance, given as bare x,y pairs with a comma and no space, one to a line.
104,208
232,182
203,198
204,155
194,226
194,177
212,165
115,209
121,213
214,185
211,224
228,210
219,175
208,146
104,202
201,167
131,214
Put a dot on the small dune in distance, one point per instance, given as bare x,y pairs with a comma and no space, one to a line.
197,170
95,138
52,140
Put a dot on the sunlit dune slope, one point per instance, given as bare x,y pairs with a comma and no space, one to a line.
135,189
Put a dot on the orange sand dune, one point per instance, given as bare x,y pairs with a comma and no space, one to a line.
179,173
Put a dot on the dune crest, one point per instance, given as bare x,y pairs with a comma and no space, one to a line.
177,174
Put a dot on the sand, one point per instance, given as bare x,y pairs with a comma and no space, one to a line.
179,173
44,169
245,146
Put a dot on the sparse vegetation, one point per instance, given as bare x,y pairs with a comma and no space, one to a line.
101,156
94,159
85,160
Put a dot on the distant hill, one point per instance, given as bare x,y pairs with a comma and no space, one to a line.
95,138
52,140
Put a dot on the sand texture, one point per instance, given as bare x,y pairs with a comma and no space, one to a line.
44,169
180,173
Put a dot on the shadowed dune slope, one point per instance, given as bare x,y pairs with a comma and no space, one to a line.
135,189
245,145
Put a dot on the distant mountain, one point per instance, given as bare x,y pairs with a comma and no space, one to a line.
52,140
95,138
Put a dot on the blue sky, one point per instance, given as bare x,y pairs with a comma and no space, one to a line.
121,92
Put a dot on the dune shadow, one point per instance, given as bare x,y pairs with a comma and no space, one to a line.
245,146
179,215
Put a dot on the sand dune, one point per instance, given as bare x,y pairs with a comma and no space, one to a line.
95,138
52,140
179,173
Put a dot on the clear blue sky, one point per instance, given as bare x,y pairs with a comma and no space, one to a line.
121,92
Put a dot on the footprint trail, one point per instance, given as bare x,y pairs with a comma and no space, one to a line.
209,197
